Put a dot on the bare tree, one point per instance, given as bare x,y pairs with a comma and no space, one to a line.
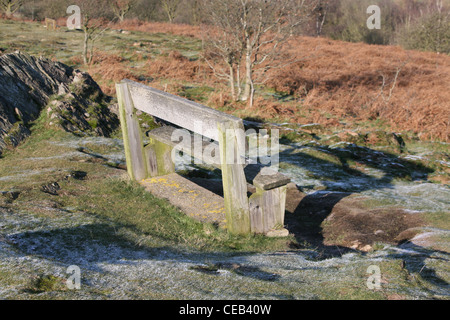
89,30
93,30
170,7
94,24
439,32
222,41
121,8
321,12
9,7
252,33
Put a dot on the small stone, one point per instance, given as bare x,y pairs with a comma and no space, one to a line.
355,244
279,233
366,248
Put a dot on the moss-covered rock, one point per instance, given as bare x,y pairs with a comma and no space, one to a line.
28,84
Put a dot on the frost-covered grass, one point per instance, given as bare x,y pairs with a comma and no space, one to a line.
131,245
110,270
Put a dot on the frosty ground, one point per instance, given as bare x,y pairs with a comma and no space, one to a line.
41,235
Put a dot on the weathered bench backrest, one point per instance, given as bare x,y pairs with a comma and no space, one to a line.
179,111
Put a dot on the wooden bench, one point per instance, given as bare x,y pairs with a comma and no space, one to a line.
50,24
262,212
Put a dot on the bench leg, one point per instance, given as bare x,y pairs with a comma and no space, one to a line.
267,209
132,135
159,158
234,182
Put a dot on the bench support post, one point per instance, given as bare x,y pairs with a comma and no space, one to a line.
234,181
132,135
267,209
159,158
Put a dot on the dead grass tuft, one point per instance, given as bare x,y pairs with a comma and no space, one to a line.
176,66
110,68
350,223
160,27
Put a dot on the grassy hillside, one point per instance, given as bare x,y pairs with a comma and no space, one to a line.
340,85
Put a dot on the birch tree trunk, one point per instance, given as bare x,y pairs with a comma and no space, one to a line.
248,72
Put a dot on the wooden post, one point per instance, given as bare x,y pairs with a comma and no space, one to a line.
50,22
132,135
267,209
159,158
234,182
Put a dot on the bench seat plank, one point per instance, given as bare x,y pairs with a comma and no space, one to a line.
164,134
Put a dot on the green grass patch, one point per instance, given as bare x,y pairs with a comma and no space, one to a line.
439,219
47,283
154,221
199,94
105,193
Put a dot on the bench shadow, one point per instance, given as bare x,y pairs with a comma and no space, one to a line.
90,246
306,219
416,263
207,178
337,176
340,180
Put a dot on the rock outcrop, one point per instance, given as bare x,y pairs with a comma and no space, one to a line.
71,98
